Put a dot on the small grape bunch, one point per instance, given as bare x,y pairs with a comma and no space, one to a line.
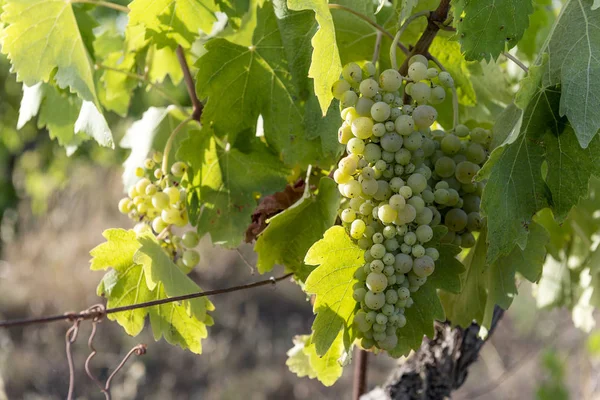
399,180
157,202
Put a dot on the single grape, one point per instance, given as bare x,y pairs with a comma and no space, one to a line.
191,258
369,187
379,129
406,215
387,214
369,69
417,58
375,300
424,233
390,80
414,141
359,294
466,171
476,153
362,127
391,142
446,79
369,88
417,203
173,194
139,172
352,73
406,192
423,266
445,167
149,163
417,183
461,130
433,253
420,91
424,217
339,88
377,266
404,125
467,240
417,71
438,95
357,228
160,200
432,73
125,205
363,106
456,220
380,111
377,251
158,225
178,169
450,144
397,202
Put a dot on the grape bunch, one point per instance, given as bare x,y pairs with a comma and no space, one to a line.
399,180
157,202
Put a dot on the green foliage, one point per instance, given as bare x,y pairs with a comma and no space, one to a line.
552,386
303,360
141,271
290,234
486,28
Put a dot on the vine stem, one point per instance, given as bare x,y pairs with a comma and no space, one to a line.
360,373
516,61
106,4
377,47
100,313
454,92
374,24
396,40
169,144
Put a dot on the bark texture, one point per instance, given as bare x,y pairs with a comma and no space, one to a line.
439,367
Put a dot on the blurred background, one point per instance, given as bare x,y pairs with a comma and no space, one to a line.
54,209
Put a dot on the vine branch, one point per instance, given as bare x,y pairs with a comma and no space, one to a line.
189,83
360,373
95,314
106,4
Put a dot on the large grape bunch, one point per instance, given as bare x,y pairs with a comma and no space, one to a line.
400,179
157,203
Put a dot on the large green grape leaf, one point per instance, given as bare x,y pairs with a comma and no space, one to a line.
225,181
540,22
135,262
303,360
487,27
337,257
173,22
159,269
291,233
326,65
41,35
574,63
260,80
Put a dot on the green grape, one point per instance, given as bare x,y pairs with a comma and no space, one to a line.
417,183
139,172
461,130
178,169
357,228
356,203
433,253
445,167
375,300
456,220
372,153
414,141
351,189
387,214
141,185
363,106
404,293
450,144
428,147
387,156
388,270
474,222
366,208
432,73
428,196
424,217
383,191
377,238
395,113
158,225
370,317
377,266
396,183
352,73
348,165
457,240
149,163
173,194
391,245
380,111
410,238
381,319
369,187
160,200
349,114
190,239
406,215
401,321
403,156
391,296
466,171
379,129
340,177
404,125
362,127
151,189
389,343
390,80
369,88
446,79
190,258
467,240
417,58
476,153
453,197
471,203
125,205
405,191
142,208
348,215
438,95
359,294
369,69
339,88
158,174
420,92
377,251
417,72
408,88
397,202
389,126
423,267
345,133
417,202
481,136
424,233
391,142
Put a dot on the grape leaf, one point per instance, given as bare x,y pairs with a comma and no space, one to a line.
42,35
540,22
160,269
291,233
326,66
117,87
574,63
486,27
448,53
407,8
91,122
236,10
172,322
303,360
151,133
173,22
225,180
247,72
337,257
554,286
137,264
